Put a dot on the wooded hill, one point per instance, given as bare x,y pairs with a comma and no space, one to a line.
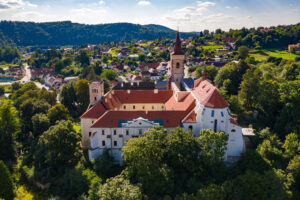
68,33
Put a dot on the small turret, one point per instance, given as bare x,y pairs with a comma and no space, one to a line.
96,92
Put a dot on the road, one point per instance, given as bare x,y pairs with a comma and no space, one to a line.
26,79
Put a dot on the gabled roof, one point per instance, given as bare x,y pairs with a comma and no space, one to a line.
190,118
94,112
208,95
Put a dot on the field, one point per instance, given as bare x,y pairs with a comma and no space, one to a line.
212,47
264,54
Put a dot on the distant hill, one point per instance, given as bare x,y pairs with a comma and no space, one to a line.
68,33
159,27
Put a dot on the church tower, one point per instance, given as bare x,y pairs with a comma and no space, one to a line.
177,62
96,92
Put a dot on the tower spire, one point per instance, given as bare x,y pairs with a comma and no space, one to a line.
177,45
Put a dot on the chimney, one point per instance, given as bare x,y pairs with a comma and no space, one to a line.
204,72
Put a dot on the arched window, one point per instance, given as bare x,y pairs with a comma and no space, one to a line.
215,125
177,65
191,128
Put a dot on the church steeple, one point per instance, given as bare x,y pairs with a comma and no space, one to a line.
177,63
177,46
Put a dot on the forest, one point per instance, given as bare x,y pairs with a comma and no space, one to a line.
68,33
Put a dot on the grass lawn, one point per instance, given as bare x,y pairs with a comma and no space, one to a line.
212,47
264,54
77,127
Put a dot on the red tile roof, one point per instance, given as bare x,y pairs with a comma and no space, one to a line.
190,118
111,118
94,112
143,96
208,95
187,103
233,121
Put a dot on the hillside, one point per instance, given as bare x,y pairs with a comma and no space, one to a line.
68,33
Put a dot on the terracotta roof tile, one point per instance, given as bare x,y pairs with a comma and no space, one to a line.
112,119
208,95
95,111
143,96
190,118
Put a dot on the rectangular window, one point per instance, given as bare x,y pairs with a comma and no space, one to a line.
222,114
124,107
140,131
103,143
228,111
133,107
103,132
212,113
90,133
127,132
115,143
115,132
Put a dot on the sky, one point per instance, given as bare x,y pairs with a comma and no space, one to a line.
184,15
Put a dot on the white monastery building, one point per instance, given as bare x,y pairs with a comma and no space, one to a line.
119,115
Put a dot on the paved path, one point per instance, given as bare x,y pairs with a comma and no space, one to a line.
26,79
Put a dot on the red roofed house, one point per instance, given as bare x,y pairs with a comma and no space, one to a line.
115,117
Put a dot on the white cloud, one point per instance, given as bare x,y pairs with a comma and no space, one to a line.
205,3
228,7
101,2
144,3
15,4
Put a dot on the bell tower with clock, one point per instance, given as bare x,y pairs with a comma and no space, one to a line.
177,62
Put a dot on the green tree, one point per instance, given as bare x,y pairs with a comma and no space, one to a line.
211,72
68,96
9,128
83,57
243,52
82,94
6,183
76,182
105,166
213,145
294,169
228,77
57,112
291,145
2,91
118,188
109,74
40,123
58,149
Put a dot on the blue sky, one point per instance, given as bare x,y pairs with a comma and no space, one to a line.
187,15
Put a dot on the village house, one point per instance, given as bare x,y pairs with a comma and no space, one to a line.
296,47
121,114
